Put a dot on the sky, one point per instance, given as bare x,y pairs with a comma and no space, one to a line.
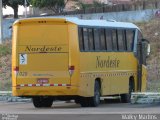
9,10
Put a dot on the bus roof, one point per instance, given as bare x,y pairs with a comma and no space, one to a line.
87,23
101,23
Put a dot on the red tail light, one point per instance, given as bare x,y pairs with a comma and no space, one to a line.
16,69
71,68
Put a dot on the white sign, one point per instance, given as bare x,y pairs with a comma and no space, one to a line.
23,59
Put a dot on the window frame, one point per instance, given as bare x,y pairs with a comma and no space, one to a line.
125,41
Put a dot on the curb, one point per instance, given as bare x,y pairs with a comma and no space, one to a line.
7,96
145,98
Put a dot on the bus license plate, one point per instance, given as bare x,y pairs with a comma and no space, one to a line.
43,80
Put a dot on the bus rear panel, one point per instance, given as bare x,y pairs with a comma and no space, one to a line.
41,58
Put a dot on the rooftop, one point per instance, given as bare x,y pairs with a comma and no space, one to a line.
82,22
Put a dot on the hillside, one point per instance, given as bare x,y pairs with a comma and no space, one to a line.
5,66
151,31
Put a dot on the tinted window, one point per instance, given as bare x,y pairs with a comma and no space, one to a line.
121,40
109,39
130,39
81,43
114,39
103,39
86,39
139,36
91,39
96,39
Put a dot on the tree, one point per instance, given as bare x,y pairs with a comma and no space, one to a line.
95,4
98,4
82,5
56,6
14,4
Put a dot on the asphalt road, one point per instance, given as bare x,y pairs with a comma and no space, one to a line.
72,111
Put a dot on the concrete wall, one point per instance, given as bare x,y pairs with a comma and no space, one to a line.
7,31
127,16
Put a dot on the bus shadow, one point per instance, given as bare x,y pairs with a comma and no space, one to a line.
72,105
110,101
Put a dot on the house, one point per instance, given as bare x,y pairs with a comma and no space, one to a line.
121,1
91,1
71,5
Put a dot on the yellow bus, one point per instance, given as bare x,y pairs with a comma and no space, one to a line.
71,58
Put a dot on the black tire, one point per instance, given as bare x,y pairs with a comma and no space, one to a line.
39,102
47,102
77,100
95,100
126,98
85,102
92,101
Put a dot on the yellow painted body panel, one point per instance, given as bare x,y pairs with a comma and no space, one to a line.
45,91
114,76
51,47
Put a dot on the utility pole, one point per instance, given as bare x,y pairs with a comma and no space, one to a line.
1,18
25,5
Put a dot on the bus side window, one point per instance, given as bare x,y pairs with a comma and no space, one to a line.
97,39
130,39
91,39
115,40
121,42
102,40
86,39
109,39
139,36
81,40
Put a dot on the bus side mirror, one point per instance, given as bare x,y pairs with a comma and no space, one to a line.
146,47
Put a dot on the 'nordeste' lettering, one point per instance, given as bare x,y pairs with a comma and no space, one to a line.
44,48
107,63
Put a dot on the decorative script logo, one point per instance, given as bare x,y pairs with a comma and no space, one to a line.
44,48
107,63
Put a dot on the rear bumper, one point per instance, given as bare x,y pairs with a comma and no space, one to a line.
45,91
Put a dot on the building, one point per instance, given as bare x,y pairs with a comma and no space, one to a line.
91,1
121,1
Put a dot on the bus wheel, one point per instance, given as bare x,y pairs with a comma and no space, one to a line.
95,100
84,101
77,100
39,102
126,98
47,102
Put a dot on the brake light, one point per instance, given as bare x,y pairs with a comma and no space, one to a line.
71,70
16,69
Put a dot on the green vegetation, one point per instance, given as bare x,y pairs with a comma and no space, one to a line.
5,66
84,6
151,31
14,4
57,6
5,49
